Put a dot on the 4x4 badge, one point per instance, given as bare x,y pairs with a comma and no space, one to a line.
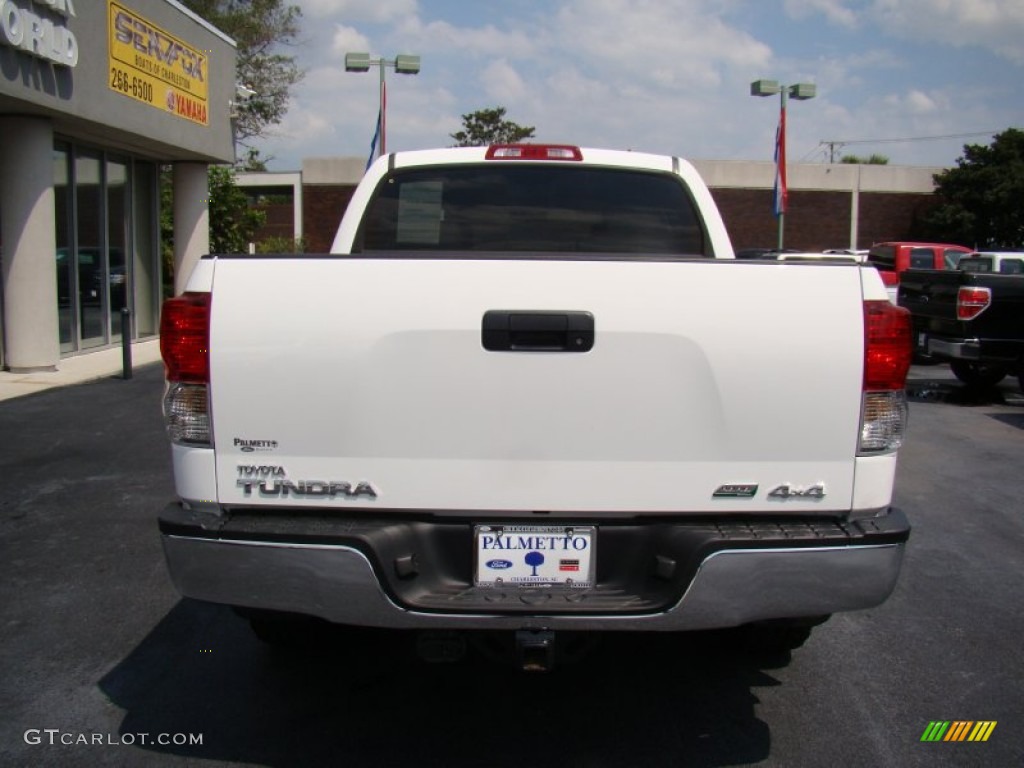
816,491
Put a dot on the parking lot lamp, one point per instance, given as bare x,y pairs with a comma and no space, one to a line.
800,92
403,64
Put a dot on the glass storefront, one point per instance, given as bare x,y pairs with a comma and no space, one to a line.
106,231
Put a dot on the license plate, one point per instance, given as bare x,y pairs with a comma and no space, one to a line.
534,555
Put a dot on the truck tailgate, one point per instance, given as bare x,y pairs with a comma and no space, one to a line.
703,374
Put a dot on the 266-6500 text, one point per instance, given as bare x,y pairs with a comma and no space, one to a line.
133,86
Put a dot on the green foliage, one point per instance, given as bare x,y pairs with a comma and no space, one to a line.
253,161
874,159
489,126
233,223
167,228
982,199
259,27
281,245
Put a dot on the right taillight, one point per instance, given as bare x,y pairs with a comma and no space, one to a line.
887,356
971,302
185,347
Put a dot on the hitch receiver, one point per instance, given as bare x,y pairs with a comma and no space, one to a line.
535,650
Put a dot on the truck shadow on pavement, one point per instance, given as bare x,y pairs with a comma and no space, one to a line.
954,393
363,697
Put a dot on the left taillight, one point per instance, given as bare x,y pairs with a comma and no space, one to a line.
887,357
185,347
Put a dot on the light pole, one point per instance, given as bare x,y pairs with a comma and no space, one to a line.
800,92
403,64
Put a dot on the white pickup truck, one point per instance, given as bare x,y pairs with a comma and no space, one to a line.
531,390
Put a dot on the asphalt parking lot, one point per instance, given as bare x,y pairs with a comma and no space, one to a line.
101,663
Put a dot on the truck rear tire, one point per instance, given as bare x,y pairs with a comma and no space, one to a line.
977,374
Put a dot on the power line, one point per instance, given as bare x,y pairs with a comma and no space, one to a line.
911,138
837,144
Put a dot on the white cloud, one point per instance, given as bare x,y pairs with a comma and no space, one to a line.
347,39
373,11
921,103
672,43
302,124
997,25
833,10
916,102
502,82
444,37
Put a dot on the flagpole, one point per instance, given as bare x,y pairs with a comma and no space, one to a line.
783,181
382,115
800,92
403,64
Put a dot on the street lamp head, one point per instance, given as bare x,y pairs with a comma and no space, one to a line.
357,62
764,88
406,64
803,91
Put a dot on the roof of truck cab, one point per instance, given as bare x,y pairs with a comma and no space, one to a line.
591,156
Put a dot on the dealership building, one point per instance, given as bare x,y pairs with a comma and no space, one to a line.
96,96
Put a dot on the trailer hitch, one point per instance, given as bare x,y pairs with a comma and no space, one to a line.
535,650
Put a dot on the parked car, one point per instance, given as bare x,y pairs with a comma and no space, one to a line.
999,262
860,253
893,258
971,318
761,253
832,255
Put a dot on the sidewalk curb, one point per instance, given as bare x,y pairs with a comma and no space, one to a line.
78,369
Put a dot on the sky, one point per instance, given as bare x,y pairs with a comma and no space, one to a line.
663,76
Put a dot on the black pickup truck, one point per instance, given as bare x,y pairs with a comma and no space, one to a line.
973,319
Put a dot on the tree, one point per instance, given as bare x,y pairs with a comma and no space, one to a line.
259,27
233,223
980,200
489,126
874,159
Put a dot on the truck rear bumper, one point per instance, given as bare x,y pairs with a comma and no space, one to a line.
958,350
990,351
728,585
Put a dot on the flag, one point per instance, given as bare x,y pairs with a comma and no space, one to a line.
781,196
373,144
383,117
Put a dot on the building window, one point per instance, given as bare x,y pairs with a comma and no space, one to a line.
106,232
66,283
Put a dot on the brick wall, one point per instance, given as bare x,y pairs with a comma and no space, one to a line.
817,220
323,206
280,221
890,216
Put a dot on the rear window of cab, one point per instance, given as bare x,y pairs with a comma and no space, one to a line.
533,207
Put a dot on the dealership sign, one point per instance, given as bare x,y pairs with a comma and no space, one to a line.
39,29
153,66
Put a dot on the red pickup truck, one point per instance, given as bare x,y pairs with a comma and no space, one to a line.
891,259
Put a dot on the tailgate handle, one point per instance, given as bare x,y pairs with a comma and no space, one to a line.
513,330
